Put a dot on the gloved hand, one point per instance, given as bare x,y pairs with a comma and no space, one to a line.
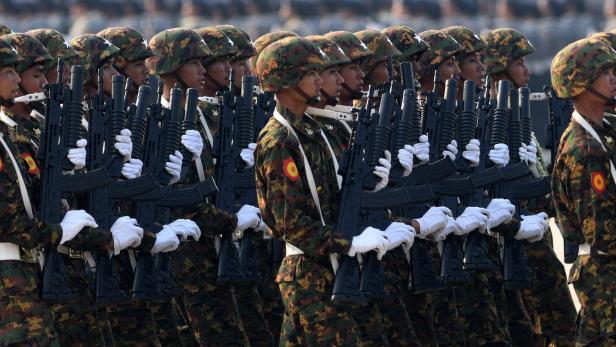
473,218
533,227
398,233
531,150
472,152
132,169
185,228
501,211
405,157
247,217
369,239
422,149
247,155
193,142
124,144
499,155
166,241
174,167
77,156
433,220
73,222
451,150
523,153
450,228
126,233
382,171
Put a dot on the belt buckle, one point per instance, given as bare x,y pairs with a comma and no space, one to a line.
73,254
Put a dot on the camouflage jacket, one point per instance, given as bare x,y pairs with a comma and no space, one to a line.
582,186
283,193
336,134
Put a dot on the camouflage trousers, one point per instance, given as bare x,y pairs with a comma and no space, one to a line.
549,302
272,308
133,325
369,322
24,318
311,318
250,305
594,280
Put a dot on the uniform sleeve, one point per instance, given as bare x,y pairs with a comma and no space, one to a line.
92,239
287,206
211,220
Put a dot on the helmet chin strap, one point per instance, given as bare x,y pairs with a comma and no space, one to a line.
610,101
310,100
330,100
355,95
219,87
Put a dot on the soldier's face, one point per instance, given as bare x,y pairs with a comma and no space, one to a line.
448,69
193,74
108,72
240,68
332,81
605,84
472,69
9,83
137,71
519,72
311,84
379,74
52,74
353,77
219,71
33,79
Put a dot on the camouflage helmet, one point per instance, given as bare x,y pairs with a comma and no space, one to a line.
220,44
503,46
406,40
380,45
8,54
241,40
351,45
608,37
4,29
266,40
442,48
173,48
131,43
56,45
30,49
285,62
470,41
93,51
576,67
335,55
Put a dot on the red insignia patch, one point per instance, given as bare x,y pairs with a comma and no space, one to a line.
1,164
598,181
32,167
290,169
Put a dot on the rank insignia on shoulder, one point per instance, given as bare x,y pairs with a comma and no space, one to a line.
290,169
598,181
32,167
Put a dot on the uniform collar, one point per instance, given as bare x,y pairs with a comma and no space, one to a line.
303,124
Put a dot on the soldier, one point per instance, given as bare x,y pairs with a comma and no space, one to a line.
264,41
239,62
58,48
301,215
548,303
211,308
584,179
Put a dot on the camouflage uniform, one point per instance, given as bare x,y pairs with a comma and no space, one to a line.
583,191
306,280
548,303
56,45
211,309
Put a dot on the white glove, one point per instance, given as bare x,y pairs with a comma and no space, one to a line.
132,169
499,155
472,152
450,228
73,222
405,157
451,150
382,171
531,151
433,220
77,156
533,227
193,142
166,241
174,167
370,239
185,228
124,144
126,233
501,211
422,149
247,155
473,218
398,233
247,217
523,152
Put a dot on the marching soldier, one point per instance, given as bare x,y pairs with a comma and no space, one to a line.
58,48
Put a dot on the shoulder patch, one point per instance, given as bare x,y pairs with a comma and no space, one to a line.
1,164
32,167
598,181
290,169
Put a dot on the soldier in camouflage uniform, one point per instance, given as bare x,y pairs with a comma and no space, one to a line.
583,183
212,309
58,48
548,303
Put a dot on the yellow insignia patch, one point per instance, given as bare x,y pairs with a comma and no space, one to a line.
290,169
32,167
598,181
